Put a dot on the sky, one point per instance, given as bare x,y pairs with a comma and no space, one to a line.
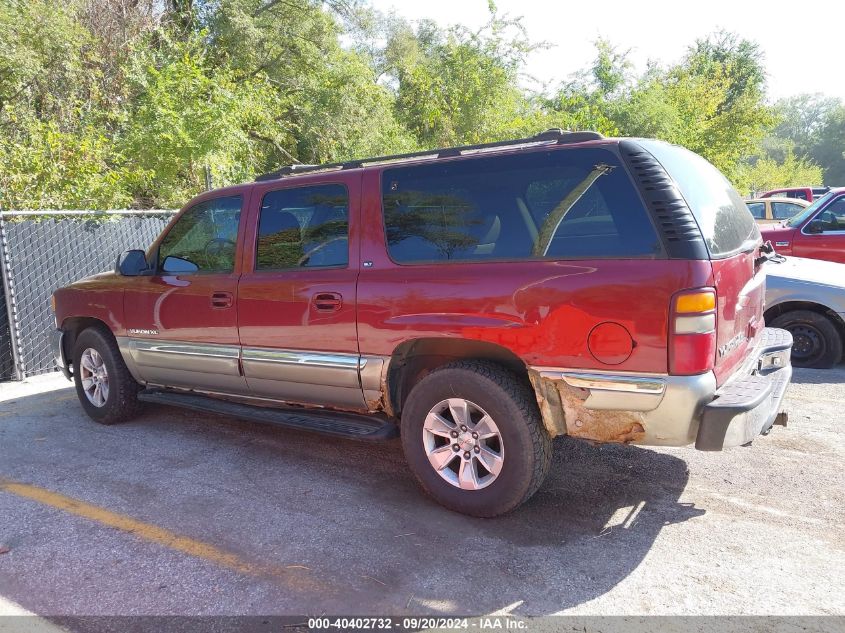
801,54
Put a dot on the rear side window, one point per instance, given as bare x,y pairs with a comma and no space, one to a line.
304,227
784,210
721,214
565,204
758,210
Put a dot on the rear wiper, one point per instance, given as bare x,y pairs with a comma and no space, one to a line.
768,254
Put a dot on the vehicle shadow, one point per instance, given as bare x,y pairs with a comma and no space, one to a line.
352,513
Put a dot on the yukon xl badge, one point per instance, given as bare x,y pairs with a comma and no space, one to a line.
148,332
731,345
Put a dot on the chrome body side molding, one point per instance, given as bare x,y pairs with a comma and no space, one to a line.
300,358
346,381
185,364
304,377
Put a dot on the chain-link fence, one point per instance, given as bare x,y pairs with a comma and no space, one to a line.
42,251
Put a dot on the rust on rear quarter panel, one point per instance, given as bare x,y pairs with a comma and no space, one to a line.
564,412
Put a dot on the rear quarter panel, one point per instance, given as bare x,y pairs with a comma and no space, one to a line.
543,311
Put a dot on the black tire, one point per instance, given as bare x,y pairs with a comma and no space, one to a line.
511,403
816,339
122,403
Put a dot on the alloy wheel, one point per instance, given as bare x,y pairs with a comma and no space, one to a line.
463,444
94,377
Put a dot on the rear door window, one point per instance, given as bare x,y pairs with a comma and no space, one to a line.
721,214
565,204
303,227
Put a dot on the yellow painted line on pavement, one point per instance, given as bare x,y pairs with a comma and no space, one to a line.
160,536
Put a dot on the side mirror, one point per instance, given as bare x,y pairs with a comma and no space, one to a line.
815,227
177,265
133,264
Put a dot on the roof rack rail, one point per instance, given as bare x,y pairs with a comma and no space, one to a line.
554,135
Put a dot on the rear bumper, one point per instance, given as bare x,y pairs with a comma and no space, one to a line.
661,410
747,405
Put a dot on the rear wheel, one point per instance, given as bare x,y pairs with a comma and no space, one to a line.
473,437
105,388
816,339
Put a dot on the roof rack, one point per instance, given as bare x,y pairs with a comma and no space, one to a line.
554,135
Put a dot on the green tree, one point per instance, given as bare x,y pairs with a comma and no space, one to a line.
811,126
54,118
127,102
766,173
829,150
459,86
711,102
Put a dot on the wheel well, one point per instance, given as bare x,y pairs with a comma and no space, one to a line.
791,306
413,360
73,327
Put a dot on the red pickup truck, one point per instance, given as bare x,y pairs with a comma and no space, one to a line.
480,300
818,232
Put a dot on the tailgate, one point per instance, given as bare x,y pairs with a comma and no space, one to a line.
740,295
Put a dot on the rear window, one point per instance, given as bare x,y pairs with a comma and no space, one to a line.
725,221
565,204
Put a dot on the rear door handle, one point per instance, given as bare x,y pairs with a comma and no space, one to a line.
222,299
328,301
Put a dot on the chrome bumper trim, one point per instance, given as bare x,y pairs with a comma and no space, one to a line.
631,384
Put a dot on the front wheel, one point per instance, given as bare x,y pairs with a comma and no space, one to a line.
105,388
473,437
816,341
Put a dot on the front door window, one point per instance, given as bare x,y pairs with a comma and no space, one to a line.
204,238
832,217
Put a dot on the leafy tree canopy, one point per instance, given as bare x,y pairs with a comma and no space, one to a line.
112,103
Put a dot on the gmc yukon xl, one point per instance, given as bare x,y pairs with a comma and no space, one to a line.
477,301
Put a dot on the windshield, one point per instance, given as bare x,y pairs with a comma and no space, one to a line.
806,213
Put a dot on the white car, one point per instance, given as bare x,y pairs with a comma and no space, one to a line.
807,297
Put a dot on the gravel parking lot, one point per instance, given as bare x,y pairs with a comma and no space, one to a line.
177,513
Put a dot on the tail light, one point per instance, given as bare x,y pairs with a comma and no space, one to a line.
692,332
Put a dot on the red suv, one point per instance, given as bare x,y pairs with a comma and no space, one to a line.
480,299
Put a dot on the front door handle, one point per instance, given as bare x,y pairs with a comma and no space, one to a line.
222,299
328,301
